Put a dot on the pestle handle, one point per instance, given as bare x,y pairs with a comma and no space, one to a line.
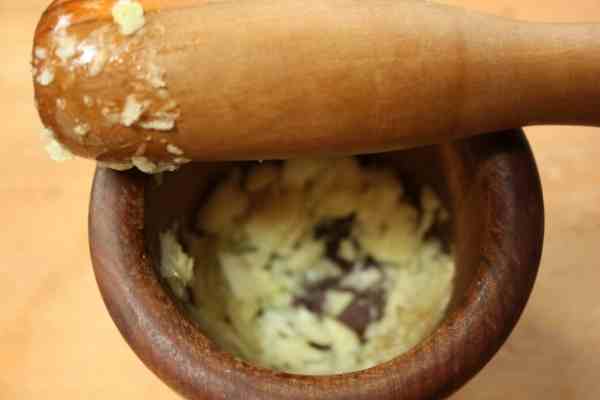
261,79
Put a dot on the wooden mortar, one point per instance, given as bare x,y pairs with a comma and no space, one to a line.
491,185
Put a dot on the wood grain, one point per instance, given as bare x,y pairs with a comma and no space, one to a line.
286,78
485,180
47,278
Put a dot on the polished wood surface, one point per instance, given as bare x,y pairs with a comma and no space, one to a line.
289,78
58,342
497,241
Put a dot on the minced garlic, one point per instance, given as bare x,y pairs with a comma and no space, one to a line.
159,124
82,129
176,266
171,148
117,166
57,151
312,267
98,62
145,165
66,46
45,77
129,16
132,111
41,53
181,160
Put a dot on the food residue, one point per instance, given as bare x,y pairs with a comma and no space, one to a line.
145,165
81,129
132,111
171,148
54,148
129,16
80,59
312,266
45,77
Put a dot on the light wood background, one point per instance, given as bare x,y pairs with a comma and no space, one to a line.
57,341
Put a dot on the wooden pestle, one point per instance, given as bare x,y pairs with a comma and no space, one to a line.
262,79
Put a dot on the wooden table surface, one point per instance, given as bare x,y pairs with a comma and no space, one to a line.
57,341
